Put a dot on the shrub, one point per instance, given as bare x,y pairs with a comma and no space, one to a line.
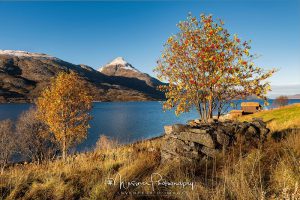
104,143
8,144
36,143
281,101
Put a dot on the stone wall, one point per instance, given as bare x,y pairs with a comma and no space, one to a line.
197,140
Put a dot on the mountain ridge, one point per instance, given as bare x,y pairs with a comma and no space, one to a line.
24,74
295,96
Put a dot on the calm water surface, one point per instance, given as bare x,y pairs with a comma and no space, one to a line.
124,121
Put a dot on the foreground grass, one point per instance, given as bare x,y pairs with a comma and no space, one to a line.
82,176
271,172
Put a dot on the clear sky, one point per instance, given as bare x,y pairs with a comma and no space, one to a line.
94,33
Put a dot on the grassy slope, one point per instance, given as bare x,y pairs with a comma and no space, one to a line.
271,172
280,118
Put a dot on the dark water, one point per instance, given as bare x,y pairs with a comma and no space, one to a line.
124,121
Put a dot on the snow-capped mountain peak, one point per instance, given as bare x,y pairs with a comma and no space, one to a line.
120,67
119,62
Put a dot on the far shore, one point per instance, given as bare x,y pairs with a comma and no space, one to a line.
30,102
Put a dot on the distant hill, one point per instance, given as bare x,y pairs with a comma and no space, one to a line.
24,74
295,96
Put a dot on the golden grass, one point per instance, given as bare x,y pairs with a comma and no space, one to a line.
82,176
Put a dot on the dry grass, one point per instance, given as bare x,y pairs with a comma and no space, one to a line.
82,176
271,172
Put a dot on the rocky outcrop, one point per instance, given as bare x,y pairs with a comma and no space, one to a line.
197,140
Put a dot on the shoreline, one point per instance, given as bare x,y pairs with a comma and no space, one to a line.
30,102
131,101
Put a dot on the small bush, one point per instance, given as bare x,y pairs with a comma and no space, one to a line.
281,101
104,143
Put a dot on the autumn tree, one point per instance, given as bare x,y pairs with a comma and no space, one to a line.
65,107
206,68
281,101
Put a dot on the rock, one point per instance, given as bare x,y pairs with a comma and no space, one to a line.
210,152
174,128
199,131
178,127
198,121
211,120
168,130
222,138
264,132
186,143
242,128
252,130
178,148
229,129
204,139
192,123
176,145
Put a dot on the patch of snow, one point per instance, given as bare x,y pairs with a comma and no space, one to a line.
19,53
118,61
101,69
129,67
86,67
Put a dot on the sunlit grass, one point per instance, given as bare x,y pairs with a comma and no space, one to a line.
278,119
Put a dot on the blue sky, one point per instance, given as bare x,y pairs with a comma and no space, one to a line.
94,33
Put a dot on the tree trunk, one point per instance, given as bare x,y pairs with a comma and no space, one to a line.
64,149
210,110
210,105
198,106
204,112
219,114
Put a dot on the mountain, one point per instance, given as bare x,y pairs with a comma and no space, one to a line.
295,96
24,74
120,67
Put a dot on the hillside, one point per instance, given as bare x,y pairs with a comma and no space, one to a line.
269,172
295,96
278,119
23,75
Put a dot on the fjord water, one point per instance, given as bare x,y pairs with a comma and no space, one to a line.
125,121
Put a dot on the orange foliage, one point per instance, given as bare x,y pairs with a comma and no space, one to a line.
206,68
64,107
